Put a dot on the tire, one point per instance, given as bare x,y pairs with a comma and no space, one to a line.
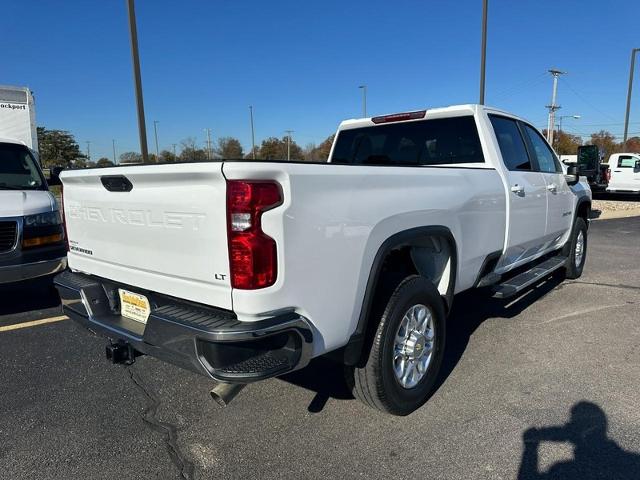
575,261
376,383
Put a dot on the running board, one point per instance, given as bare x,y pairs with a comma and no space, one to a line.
517,284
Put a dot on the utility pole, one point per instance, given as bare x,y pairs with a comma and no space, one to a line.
135,58
113,143
88,151
208,130
288,132
364,100
253,135
626,115
174,149
155,133
483,49
553,107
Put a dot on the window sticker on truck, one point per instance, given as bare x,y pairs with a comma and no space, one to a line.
134,306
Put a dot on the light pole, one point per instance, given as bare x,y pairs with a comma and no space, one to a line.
113,143
288,132
483,49
576,117
135,58
208,130
253,135
88,142
626,115
155,133
174,149
364,100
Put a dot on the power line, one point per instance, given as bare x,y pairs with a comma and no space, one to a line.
519,87
586,101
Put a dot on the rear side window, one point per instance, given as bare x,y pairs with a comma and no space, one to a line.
427,142
514,152
627,161
545,157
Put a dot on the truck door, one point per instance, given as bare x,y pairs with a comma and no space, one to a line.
559,195
625,174
526,195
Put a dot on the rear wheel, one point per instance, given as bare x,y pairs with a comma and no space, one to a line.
408,346
577,251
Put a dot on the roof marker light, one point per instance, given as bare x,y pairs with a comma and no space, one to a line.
399,117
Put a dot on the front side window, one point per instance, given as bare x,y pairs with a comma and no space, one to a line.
545,157
18,168
427,142
514,152
627,161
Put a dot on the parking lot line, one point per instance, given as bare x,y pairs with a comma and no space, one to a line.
33,323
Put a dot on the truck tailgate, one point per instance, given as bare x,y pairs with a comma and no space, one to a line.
167,234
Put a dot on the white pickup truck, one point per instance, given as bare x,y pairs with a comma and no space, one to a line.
625,173
245,270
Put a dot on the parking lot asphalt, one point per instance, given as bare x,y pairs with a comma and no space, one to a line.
546,383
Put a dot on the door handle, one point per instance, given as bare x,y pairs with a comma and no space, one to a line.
552,188
518,189
618,171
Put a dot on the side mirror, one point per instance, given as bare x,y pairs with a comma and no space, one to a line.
573,175
54,176
637,167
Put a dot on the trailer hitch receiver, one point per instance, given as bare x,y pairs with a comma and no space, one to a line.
121,353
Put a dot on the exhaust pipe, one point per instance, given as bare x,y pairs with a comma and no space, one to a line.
224,393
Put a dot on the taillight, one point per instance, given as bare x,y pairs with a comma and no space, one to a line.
253,255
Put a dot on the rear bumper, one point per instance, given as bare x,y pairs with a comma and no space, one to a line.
28,271
206,340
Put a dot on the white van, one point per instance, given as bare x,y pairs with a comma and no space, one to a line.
625,173
32,237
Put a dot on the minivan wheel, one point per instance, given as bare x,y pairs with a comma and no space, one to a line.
407,350
577,254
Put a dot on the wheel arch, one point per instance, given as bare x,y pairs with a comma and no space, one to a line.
408,249
583,210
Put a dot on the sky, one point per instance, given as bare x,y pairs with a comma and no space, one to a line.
299,63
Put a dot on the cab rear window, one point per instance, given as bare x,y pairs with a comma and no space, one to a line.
427,142
627,161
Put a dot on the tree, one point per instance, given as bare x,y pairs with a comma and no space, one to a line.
250,156
167,156
566,144
606,142
130,157
270,149
58,148
633,145
190,151
276,149
308,152
104,162
323,150
229,147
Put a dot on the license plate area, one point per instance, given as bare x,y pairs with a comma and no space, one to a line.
134,306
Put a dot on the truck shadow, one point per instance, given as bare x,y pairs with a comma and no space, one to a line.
473,307
470,310
27,296
596,456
